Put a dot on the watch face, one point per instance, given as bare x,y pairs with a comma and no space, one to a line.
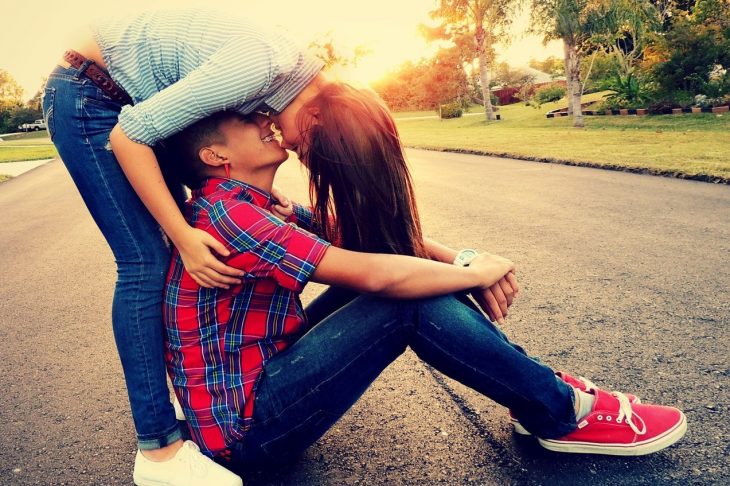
468,254
465,257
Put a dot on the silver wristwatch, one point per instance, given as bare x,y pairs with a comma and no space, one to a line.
464,257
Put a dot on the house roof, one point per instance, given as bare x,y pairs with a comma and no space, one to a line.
540,76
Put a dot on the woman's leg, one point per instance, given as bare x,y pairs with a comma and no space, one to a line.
309,386
80,118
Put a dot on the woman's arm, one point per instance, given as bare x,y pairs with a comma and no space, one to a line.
440,253
494,300
406,277
140,165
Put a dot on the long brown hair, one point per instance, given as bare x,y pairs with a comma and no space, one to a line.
359,181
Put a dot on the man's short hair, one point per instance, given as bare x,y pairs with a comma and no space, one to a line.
181,152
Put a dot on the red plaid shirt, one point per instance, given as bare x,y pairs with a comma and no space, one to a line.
218,340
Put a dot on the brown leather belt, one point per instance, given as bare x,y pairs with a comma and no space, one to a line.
97,76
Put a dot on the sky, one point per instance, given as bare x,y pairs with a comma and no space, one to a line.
35,33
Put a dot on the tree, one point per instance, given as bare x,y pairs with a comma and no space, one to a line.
508,76
626,31
332,55
552,65
404,89
446,80
22,114
35,102
690,56
483,22
596,73
11,95
575,22
427,84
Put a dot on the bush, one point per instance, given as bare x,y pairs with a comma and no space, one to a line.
613,104
664,102
704,101
549,93
630,90
451,110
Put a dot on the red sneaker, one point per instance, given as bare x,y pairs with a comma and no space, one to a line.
581,383
584,384
617,427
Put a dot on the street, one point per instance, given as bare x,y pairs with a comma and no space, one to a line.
624,280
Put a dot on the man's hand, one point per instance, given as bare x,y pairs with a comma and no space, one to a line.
284,208
496,299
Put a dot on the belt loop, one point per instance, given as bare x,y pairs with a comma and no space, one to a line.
83,67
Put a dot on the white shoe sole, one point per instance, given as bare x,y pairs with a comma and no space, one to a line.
636,449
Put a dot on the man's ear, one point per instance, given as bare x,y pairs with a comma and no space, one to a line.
209,156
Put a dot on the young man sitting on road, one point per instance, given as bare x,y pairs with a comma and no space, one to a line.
259,383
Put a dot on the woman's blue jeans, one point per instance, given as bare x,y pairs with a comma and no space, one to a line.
305,389
80,117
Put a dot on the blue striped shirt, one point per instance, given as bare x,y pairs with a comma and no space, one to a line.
182,65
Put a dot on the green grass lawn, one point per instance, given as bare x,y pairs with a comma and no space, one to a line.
14,154
26,146
686,144
40,134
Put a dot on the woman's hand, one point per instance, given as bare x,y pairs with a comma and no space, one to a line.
284,208
195,248
491,269
495,300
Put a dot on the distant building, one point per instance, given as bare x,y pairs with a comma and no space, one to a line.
506,94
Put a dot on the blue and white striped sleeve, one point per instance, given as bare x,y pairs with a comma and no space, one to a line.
242,70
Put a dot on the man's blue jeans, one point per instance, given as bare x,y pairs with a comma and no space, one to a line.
80,117
305,389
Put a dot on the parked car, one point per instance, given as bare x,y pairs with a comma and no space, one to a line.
32,127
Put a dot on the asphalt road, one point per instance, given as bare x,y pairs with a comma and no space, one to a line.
625,280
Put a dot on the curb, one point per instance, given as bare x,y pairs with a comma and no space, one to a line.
593,165
639,111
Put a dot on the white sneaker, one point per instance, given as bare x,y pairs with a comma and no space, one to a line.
189,467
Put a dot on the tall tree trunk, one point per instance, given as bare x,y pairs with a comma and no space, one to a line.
485,79
479,39
568,90
574,81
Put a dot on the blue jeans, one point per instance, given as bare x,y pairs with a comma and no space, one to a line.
80,117
305,389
